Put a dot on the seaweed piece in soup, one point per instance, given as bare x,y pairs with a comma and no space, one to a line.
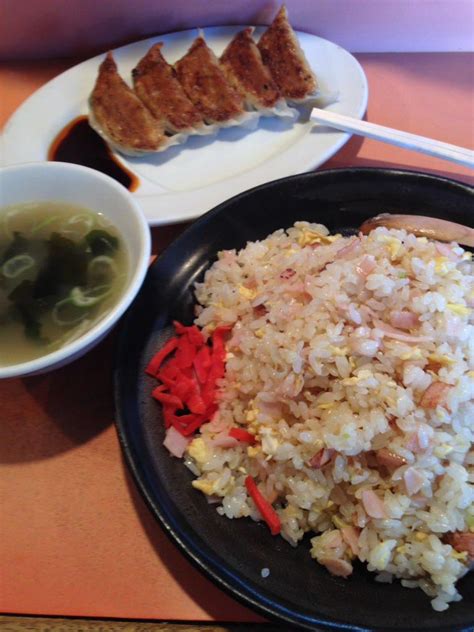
101,242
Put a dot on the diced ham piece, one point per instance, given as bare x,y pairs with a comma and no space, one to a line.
392,422
435,395
288,273
366,265
175,442
389,459
260,310
338,495
446,251
462,541
335,566
348,249
251,284
419,500
373,506
414,480
271,496
321,458
350,536
404,320
413,444
371,459
222,440
390,332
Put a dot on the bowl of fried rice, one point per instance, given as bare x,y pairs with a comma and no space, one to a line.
295,396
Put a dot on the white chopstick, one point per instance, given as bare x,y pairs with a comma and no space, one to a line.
446,151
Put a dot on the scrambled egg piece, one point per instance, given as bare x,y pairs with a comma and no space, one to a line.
247,292
441,359
467,256
310,237
441,451
212,487
338,522
339,351
253,450
394,245
199,451
363,375
460,310
414,354
206,487
420,536
269,442
251,414
441,266
290,511
422,240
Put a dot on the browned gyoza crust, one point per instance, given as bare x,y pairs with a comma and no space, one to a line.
244,68
156,84
281,53
206,85
120,114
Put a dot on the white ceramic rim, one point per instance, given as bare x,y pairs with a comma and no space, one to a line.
139,270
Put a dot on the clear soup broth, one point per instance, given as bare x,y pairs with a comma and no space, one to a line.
62,268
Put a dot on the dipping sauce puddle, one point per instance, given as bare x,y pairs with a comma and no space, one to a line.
80,144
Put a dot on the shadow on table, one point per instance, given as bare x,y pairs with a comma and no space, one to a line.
210,598
48,414
45,415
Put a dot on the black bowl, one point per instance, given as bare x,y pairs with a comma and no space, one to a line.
232,553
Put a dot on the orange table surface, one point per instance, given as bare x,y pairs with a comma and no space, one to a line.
75,536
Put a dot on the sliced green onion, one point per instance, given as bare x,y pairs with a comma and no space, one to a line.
6,222
65,313
88,298
46,222
16,266
77,225
102,269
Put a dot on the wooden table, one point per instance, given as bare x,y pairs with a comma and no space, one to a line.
76,539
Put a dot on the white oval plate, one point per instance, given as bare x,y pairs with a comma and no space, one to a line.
184,182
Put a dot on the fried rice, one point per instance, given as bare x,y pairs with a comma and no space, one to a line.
351,362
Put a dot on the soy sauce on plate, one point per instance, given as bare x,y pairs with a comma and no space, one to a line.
80,144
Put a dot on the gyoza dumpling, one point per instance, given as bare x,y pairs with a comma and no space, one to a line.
244,68
156,84
206,85
282,54
119,116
